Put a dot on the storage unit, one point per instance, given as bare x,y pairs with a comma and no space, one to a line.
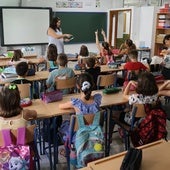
162,28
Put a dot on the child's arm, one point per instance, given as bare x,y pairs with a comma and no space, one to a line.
29,114
127,89
67,105
164,90
104,35
97,40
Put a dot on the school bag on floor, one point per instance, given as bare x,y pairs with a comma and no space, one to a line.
151,128
14,156
89,141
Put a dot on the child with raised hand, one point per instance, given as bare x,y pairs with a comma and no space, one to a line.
12,115
87,103
105,49
52,55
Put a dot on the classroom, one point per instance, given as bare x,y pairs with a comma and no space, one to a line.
85,84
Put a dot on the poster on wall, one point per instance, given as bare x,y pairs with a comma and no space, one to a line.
78,4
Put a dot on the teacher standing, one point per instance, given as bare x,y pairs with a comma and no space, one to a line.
55,35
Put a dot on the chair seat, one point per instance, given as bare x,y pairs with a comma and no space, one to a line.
121,124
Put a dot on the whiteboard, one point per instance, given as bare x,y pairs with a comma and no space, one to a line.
25,26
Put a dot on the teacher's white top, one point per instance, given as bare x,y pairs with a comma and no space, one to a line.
58,42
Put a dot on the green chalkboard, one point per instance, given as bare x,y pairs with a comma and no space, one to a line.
82,25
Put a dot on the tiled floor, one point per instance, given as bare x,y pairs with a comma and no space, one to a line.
116,147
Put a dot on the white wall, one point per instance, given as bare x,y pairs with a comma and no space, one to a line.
142,24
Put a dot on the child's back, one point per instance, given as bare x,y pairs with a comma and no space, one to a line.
87,103
12,115
63,72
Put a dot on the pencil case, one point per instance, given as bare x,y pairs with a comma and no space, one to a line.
111,90
53,96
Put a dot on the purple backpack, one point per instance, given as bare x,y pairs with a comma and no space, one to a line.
14,156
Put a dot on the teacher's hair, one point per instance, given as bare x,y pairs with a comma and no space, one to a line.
53,24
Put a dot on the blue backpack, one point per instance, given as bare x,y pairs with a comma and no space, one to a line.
89,141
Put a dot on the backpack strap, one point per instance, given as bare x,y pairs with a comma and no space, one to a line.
21,136
96,119
6,137
80,120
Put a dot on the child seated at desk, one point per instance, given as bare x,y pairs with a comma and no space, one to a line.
134,67
52,55
21,70
146,93
17,57
87,103
62,72
12,115
93,69
105,49
82,57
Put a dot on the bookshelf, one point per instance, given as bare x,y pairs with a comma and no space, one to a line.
162,28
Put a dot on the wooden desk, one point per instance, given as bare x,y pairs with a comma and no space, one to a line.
104,69
155,157
39,75
36,61
46,110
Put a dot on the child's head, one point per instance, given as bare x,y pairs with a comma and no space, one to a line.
22,69
128,42
84,51
166,40
133,55
9,101
105,45
62,60
146,84
85,83
52,52
17,55
91,61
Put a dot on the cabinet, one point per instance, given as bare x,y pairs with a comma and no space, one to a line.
162,28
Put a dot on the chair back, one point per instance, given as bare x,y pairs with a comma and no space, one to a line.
25,90
88,119
29,135
65,83
140,110
105,80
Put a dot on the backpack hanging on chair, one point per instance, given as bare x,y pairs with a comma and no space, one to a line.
14,156
151,128
89,141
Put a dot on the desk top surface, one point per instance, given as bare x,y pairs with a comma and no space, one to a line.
45,110
155,157
103,69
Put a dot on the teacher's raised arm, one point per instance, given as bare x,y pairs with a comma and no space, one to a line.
55,35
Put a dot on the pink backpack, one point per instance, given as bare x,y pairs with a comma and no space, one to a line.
14,156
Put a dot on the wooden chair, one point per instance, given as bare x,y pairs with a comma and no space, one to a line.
65,83
136,112
105,80
25,90
30,140
88,119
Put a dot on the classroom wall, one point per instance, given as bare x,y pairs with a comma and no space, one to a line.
88,6
141,16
